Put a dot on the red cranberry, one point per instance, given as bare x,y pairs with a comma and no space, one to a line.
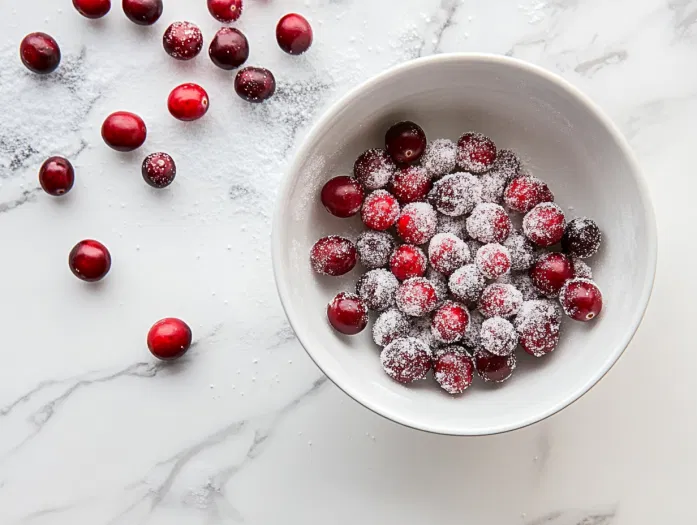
56,176
225,10
581,238
159,170
405,142
416,297
124,131
493,260
581,299
229,48
450,322
524,193
417,223
406,359
169,338
544,224
143,12
380,210
538,323
476,153
507,164
377,289
347,313
467,284
255,84
342,196
550,272
188,102
374,169
494,368
294,34
92,8
456,194
447,253
390,325
498,336
333,255
375,248
183,40
453,370
40,53
408,261
489,223
500,300
410,184
89,261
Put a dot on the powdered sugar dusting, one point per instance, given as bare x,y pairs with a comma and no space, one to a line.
390,325
467,284
447,253
454,225
417,223
440,158
472,338
456,194
416,297
377,289
522,251
538,325
493,260
439,282
488,223
498,336
500,300
374,169
581,269
374,248
406,359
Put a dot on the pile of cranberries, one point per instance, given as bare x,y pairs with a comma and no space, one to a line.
455,286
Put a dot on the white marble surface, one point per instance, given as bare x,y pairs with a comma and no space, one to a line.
246,429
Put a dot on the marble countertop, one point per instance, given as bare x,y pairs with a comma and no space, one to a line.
246,429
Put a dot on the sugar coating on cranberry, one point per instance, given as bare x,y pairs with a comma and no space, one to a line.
225,10
294,34
473,334
489,223
538,324
500,300
493,260
405,142
182,40
89,261
347,313
454,225
143,12
124,131
229,48
493,186
56,176
255,84
92,8
417,223
380,210
524,193
523,282
581,299
375,248
406,360
342,196
523,252
550,272
544,224
506,164
374,169
440,158
466,284
476,153
40,53
188,102
439,282
333,255
390,325
498,336
416,297
421,330
169,338
447,253
377,289
494,368
410,184
581,269
581,238
408,261
456,194
158,170
453,370
450,322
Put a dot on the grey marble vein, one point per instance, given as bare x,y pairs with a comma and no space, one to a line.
26,196
451,8
685,15
590,67
576,517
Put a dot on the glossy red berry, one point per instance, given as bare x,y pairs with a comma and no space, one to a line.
416,297
494,368
476,153
417,223
56,176
143,12
89,260
405,142
410,184
406,359
183,40
229,48
453,370
538,324
380,210
374,169
347,313
40,53
294,34
169,339
255,84
408,261
225,10
159,170
524,193
500,300
544,225
333,255
450,322
447,253
92,8
493,260
188,102
550,272
581,238
342,196
124,131
581,299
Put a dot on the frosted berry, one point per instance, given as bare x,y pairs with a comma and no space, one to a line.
294,34
489,223
453,370
493,260
377,289
188,102
493,186
390,325
89,260
538,323
454,225
544,224
581,299
40,53
581,238
406,360
169,339
507,164
581,269
524,193
550,272
183,40
456,194
440,158
522,251
380,210
255,84
333,255
374,169
473,334
342,196
124,131
410,184
450,322
229,48
347,313
375,248
408,261
523,282
498,336
447,253
405,142
56,176
143,12
417,223
225,10
494,368
440,283
500,300
92,8
467,284
416,297
475,153
159,170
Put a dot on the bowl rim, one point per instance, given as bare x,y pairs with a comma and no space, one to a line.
304,150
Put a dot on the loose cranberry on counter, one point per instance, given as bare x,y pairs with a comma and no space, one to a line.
89,260
333,255
380,210
550,272
229,48
416,297
225,10
500,300
342,196
450,322
544,224
169,339
476,153
347,313
188,102
294,34
457,194
124,131
453,370
40,53
494,368
524,193
405,142
182,40
581,238
538,324
447,253
255,84
159,170
489,223
406,360
143,12
581,299
410,184
92,8
417,223
493,260
56,176
408,261
375,248
374,169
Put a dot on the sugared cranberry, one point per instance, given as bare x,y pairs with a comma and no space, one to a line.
159,170
294,34
523,253
183,40
544,224
225,10
523,283
417,223
581,299
493,186
454,225
467,284
550,272
89,261
494,368
473,333
410,184
420,328
124,131
440,283
229,48
390,325
40,53
524,193
333,255
416,297
342,196
380,210
374,169
143,12
56,176
493,260
538,323
453,369
500,300
347,313
169,338
405,142
375,248
456,194
255,84
440,158
406,359
450,322
507,164
498,336
92,8
581,238
475,153
408,261
377,289
447,253
489,223
581,269
188,102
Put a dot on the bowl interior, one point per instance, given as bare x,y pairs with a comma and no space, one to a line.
562,139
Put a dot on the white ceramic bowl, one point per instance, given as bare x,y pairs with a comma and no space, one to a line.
565,139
